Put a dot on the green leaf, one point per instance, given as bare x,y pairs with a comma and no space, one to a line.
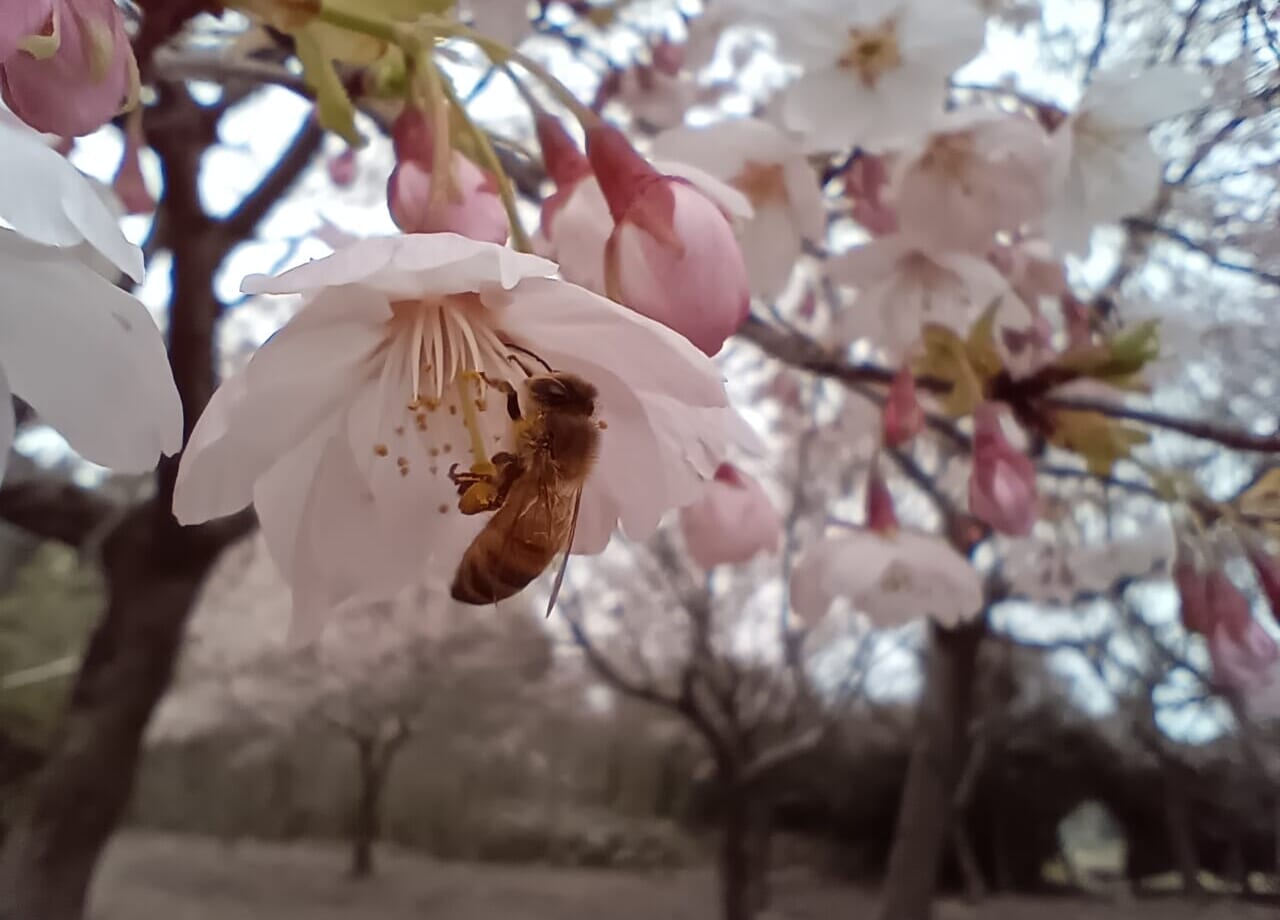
333,106
946,357
1096,438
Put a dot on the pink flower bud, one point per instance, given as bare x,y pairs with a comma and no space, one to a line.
1193,596
668,57
411,135
1244,659
1267,568
1002,484
342,168
902,416
881,515
1227,605
865,182
470,208
19,21
733,522
129,184
672,255
565,163
84,75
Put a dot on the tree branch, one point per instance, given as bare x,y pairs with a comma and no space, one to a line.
54,508
241,222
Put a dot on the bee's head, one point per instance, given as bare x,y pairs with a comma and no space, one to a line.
561,392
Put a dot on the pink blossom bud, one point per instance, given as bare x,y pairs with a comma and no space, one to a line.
20,20
1227,605
565,163
902,416
1267,568
1193,596
342,168
1244,659
78,76
672,255
668,57
411,135
881,515
1079,322
733,522
865,183
470,208
1002,484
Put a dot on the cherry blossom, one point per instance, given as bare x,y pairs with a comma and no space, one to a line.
732,522
979,172
467,204
344,426
1245,658
21,20
866,183
893,578
1002,482
770,169
1104,167
902,286
672,254
1032,269
83,353
875,71
77,74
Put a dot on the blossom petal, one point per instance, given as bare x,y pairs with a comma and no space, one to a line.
89,359
404,267
571,320
1125,99
48,201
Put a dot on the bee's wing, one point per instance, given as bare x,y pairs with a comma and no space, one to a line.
568,547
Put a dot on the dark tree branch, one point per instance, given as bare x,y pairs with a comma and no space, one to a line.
1144,225
53,508
802,352
1095,56
241,222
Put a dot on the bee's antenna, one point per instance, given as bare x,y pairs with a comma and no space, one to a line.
532,355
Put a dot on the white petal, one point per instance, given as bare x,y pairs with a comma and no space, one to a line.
90,360
725,196
342,552
7,422
48,201
770,247
1125,99
302,375
571,320
404,267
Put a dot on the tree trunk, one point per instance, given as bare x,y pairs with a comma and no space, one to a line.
735,863
373,759
1178,826
154,570
975,886
924,813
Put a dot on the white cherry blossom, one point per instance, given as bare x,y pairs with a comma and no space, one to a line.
771,170
901,286
344,425
892,578
875,71
1104,167
83,353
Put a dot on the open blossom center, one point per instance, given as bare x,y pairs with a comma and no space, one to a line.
762,183
951,157
450,358
871,53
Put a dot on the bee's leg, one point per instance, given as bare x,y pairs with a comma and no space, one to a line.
504,386
482,492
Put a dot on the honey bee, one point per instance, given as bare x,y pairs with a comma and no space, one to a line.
536,490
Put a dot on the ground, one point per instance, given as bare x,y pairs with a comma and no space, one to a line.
187,878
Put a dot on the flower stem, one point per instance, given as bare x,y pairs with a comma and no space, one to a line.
499,54
385,30
490,161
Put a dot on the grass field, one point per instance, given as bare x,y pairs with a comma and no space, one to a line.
186,878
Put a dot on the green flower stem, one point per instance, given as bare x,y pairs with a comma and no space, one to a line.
499,54
490,161
385,30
